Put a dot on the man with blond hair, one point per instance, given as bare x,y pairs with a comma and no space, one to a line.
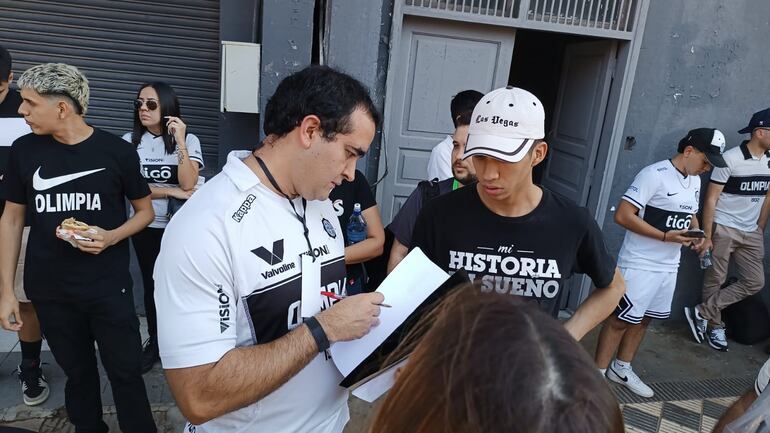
82,295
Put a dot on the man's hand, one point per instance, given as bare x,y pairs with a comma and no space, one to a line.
352,317
677,236
704,246
99,240
9,306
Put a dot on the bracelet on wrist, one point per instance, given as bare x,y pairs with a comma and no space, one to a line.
318,333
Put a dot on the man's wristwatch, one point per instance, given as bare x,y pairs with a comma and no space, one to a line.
318,333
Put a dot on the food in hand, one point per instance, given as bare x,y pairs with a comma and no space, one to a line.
69,231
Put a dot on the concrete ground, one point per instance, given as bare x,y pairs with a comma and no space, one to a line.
669,360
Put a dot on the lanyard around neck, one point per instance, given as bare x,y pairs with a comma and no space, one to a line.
301,219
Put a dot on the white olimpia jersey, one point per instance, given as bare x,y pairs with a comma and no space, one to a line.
229,275
667,200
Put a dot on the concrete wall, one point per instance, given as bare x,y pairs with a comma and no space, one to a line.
702,64
359,32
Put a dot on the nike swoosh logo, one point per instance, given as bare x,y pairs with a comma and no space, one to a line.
670,194
40,184
623,378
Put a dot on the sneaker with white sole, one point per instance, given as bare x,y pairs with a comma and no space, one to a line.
698,324
34,387
717,339
630,380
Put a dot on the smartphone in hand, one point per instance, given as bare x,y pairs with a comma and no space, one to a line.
695,234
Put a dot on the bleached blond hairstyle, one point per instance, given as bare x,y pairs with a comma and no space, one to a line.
58,79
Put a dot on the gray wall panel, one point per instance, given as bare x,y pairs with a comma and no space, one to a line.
700,65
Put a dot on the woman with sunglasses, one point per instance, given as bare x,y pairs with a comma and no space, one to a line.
171,160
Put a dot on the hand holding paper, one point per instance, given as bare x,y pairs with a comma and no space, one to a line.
413,280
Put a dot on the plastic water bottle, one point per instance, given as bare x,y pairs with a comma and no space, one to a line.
705,261
356,233
356,226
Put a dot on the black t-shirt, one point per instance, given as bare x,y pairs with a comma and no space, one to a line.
348,194
343,198
89,181
532,255
402,225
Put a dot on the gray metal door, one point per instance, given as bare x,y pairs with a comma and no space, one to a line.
576,130
578,117
432,61
121,44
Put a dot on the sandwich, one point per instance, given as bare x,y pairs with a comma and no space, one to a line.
70,229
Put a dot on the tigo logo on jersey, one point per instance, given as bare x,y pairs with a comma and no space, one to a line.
224,309
271,257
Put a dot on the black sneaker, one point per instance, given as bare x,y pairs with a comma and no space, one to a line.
34,387
149,354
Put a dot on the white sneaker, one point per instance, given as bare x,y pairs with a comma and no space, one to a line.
630,380
697,323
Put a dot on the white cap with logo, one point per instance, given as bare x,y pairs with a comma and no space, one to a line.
505,124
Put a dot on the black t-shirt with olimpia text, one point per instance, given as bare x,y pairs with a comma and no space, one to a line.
531,256
89,181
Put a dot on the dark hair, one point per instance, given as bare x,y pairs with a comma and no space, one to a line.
483,362
462,102
317,90
168,104
5,64
463,119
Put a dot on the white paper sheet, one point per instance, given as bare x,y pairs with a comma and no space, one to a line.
373,389
12,129
410,283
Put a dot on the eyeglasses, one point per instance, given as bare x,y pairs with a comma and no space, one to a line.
151,104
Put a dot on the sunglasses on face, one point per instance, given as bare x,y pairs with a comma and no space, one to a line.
151,104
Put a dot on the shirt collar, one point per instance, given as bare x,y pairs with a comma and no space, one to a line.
745,150
238,172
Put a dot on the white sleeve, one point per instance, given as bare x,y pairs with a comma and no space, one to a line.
762,378
433,163
642,188
194,149
439,163
194,294
720,175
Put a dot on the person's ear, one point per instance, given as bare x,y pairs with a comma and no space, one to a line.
308,128
10,78
539,152
63,107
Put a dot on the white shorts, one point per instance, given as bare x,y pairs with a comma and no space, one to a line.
648,293
18,282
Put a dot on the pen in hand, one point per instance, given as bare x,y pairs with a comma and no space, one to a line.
341,297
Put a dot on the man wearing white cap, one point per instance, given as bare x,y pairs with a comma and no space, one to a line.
658,212
518,238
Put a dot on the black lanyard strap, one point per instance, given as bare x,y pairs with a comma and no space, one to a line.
306,231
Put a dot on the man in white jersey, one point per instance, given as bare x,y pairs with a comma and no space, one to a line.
657,211
236,351
734,218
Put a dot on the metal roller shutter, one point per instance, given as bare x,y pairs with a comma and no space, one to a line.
121,44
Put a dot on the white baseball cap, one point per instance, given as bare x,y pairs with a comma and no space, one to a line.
505,124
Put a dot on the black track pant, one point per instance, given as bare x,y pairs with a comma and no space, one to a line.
71,327
147,246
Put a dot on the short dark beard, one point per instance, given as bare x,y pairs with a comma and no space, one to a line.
467,180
